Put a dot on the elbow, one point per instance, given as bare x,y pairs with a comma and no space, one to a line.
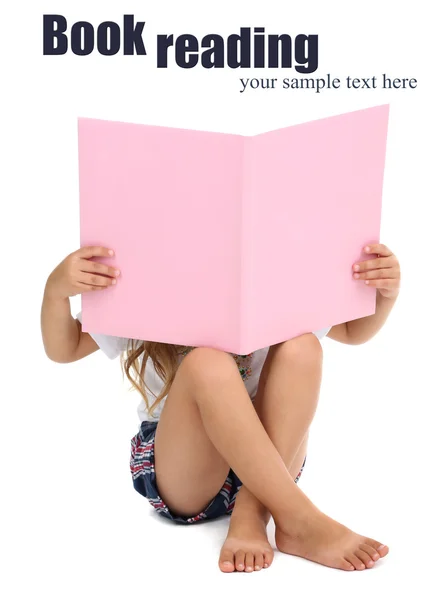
60,360
355,341
59,357
356,338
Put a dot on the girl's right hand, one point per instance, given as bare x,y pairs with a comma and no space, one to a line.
77,273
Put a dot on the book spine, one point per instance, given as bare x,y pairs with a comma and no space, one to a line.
246,246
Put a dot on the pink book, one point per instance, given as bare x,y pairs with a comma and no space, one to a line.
228,241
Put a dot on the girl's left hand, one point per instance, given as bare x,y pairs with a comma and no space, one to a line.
382,273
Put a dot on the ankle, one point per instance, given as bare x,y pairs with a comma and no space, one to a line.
249,519
296,521
248,507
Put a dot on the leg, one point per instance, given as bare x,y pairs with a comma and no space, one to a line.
246,547
190,471
211,378
206,394
286,400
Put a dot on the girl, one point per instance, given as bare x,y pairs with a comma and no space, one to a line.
191,462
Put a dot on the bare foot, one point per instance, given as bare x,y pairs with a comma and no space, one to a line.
246,547
323,540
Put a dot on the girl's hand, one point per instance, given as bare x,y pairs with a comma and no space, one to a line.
77,273
382,273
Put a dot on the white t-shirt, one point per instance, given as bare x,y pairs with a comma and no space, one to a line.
250,367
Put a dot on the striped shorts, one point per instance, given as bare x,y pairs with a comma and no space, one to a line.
142,464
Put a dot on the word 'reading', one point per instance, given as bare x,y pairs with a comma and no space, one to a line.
252,47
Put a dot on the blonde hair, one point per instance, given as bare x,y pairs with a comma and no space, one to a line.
165,360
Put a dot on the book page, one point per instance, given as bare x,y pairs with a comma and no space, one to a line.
167,201
314,201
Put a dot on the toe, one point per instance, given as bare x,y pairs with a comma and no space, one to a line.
365,558
226,562
259,560
268,557
381,548
371,551
249,562
240,560
345,565
355,562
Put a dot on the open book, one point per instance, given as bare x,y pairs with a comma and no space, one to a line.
229,241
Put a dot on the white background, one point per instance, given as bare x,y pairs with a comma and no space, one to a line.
71,524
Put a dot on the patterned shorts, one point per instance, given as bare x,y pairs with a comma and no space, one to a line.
142,465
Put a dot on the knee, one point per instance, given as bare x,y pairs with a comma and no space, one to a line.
207,365
304,351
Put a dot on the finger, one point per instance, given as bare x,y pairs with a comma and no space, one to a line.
375,263
90,251
83,287
87,266
378,274
388,284
97,280
380,249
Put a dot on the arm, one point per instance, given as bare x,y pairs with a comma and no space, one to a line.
63,338
383,273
